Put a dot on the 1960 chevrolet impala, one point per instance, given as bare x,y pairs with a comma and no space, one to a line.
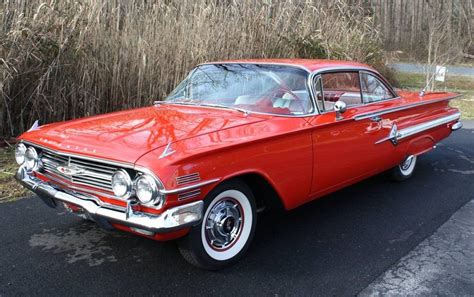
234,138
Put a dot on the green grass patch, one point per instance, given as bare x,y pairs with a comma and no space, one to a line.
459,84
10,189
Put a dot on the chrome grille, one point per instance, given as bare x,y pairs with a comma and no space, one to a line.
96,174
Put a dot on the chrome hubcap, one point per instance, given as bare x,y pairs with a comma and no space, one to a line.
224,223
407,163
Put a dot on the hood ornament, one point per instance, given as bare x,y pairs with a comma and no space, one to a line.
167,151
35,126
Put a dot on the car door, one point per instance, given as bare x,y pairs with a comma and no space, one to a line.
346,148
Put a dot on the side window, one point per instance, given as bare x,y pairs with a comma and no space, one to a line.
373,89
338,86
319,94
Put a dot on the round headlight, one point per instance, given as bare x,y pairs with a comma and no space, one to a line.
20,152
146,189
31,158
121,184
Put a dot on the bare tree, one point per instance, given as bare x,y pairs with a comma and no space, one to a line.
438,45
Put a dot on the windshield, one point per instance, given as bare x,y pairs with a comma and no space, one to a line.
273,89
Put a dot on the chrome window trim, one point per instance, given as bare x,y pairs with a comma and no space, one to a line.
322,88
383,81
259,63
358,69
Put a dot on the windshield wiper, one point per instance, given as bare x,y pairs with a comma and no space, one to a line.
244,111
176,102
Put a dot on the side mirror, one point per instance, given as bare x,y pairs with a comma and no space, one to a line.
340,108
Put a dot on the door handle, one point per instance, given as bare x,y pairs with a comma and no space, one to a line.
375,124
376,119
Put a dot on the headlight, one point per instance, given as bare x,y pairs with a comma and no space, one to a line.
20,152
146,189
31,158
121,184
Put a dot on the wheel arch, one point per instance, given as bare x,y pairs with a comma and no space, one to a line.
265,193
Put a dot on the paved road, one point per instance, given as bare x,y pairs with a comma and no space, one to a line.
334,246
420,68
442,265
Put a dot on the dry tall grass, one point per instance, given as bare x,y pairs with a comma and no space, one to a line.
73,58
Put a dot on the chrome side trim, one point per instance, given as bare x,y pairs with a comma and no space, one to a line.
191,187
392,136
404,133
399,108
171,219
395,137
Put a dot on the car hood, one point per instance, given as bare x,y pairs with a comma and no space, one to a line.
126,136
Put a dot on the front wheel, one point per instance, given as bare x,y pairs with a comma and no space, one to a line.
226,230
405,169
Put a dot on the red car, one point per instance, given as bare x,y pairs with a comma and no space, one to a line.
234,138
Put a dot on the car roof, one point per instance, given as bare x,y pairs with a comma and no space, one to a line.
308,64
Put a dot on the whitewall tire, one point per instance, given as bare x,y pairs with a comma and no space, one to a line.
405,169
226,230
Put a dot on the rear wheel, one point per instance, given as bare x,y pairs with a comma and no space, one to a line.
226,230
405,169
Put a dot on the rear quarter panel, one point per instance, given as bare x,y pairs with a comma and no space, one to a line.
436,106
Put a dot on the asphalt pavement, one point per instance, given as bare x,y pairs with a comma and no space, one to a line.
442,265
337,245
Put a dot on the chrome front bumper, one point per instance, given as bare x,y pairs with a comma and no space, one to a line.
103,213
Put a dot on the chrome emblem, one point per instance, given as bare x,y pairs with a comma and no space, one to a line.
70,170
